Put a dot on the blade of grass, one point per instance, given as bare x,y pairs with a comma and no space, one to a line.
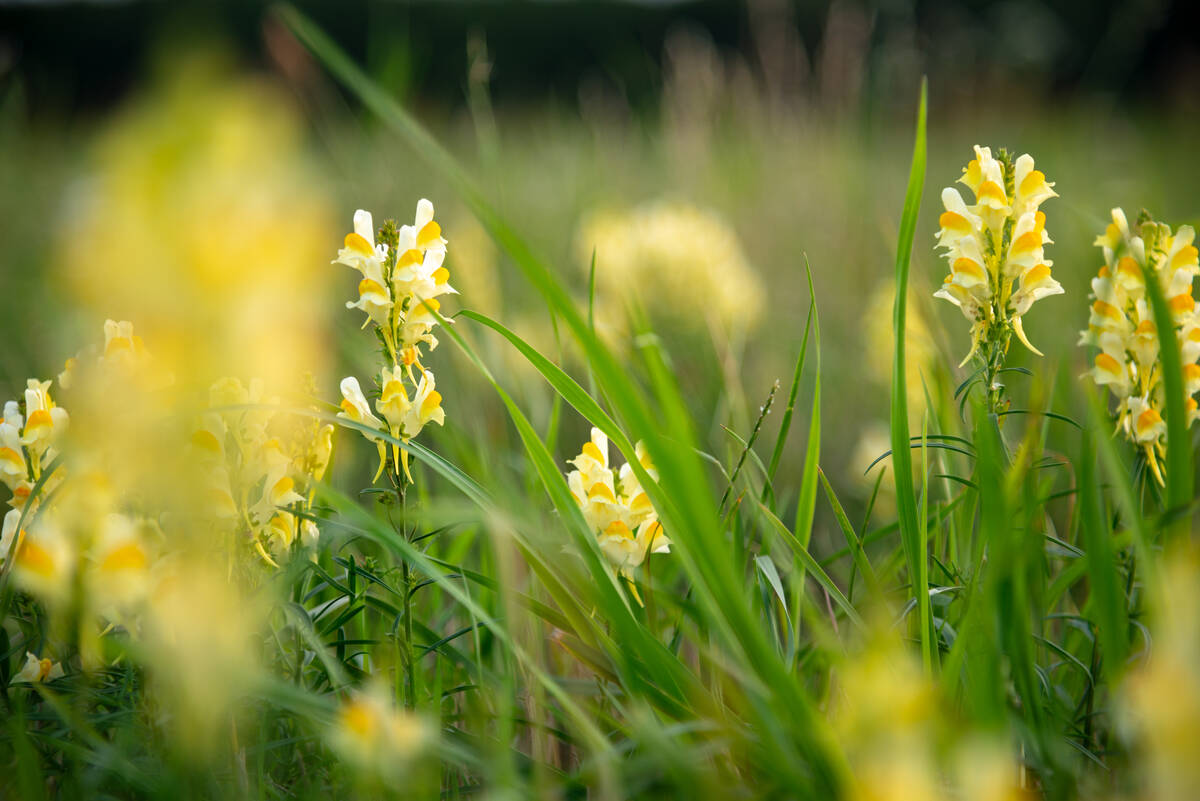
910,531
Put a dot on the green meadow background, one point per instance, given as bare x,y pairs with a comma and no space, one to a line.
793,124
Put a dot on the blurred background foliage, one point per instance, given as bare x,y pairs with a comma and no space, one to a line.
787,126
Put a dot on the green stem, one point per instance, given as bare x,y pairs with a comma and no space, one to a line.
410,687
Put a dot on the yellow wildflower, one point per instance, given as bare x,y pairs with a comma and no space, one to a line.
370,732
998,268
674,250
1159,703
403,275
1122,326
615,506
45,560
37,671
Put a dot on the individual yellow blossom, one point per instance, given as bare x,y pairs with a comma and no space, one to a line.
356,409
426,407
615,506
1121,325
37,671
121,561
361,253
45,560
371,733
998,267
44,421
393,401
13,469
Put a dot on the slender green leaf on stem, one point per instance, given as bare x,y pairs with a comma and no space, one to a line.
800,550
1121,483
852,540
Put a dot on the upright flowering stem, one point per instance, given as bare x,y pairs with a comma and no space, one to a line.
997,263
402,277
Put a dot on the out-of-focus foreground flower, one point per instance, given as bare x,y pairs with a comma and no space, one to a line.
202,222
110,531
998,268
890,718
1122,325
1161,698
370,732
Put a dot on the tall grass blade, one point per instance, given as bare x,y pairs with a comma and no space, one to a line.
910,531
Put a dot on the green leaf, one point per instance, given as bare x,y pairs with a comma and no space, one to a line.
910,530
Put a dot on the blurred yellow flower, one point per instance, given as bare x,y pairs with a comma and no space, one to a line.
259,465
672,252
201,220
199,633
1122,325
998,268
371,733
1160,705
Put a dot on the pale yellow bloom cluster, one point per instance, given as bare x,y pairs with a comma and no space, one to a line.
79,541
995,247
1160,700
28,435
400,284
260,467
685,260
201,218
885,713
371,733
615,506
1122,325
401,281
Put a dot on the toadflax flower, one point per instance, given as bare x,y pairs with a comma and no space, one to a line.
403,275
998,268
259,466
37,671
615,506
1121,325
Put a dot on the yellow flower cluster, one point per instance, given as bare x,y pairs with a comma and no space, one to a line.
260,466
884,712
998,267
402,277
1160,699
677,251
1122,325
201,217
615,505
79,541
